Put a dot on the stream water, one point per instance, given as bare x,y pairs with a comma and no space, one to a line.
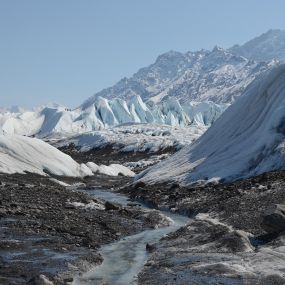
125,258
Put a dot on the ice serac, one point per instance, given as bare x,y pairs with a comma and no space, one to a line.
104,113
20,154
248,139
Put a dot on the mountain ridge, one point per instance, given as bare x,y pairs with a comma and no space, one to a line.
219,75
200,76
269,45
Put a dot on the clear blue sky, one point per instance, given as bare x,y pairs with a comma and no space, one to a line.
65,50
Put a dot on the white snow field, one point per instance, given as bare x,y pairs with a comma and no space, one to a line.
20,154
111,170
133,137
248,139
103,113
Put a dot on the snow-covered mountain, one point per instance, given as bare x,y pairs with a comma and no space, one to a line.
104,113
248,139
217,75
164,92
268,46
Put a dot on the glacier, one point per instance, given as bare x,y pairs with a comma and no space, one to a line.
247,140
131,138
103,113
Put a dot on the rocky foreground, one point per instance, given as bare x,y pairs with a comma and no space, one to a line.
50,233
236,236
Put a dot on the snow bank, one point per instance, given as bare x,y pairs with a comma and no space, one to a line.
111,170
90,205
248,139
19,154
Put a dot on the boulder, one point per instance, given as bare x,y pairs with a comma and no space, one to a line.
274,219
150,247
111,206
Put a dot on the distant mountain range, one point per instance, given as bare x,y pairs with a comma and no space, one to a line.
219,75
170,91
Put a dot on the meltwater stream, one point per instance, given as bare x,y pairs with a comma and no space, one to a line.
125,258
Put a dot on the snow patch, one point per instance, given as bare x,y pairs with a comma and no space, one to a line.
90,205
20,154
111,170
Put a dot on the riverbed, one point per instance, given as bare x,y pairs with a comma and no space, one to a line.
124,259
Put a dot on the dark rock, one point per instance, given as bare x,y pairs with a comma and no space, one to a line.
174,186
274,220
150,247
124,211
111,206
2,212
69,206
172,196
139,184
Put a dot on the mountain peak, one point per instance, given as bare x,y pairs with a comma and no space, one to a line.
218,49
273,32
265,47
170,57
